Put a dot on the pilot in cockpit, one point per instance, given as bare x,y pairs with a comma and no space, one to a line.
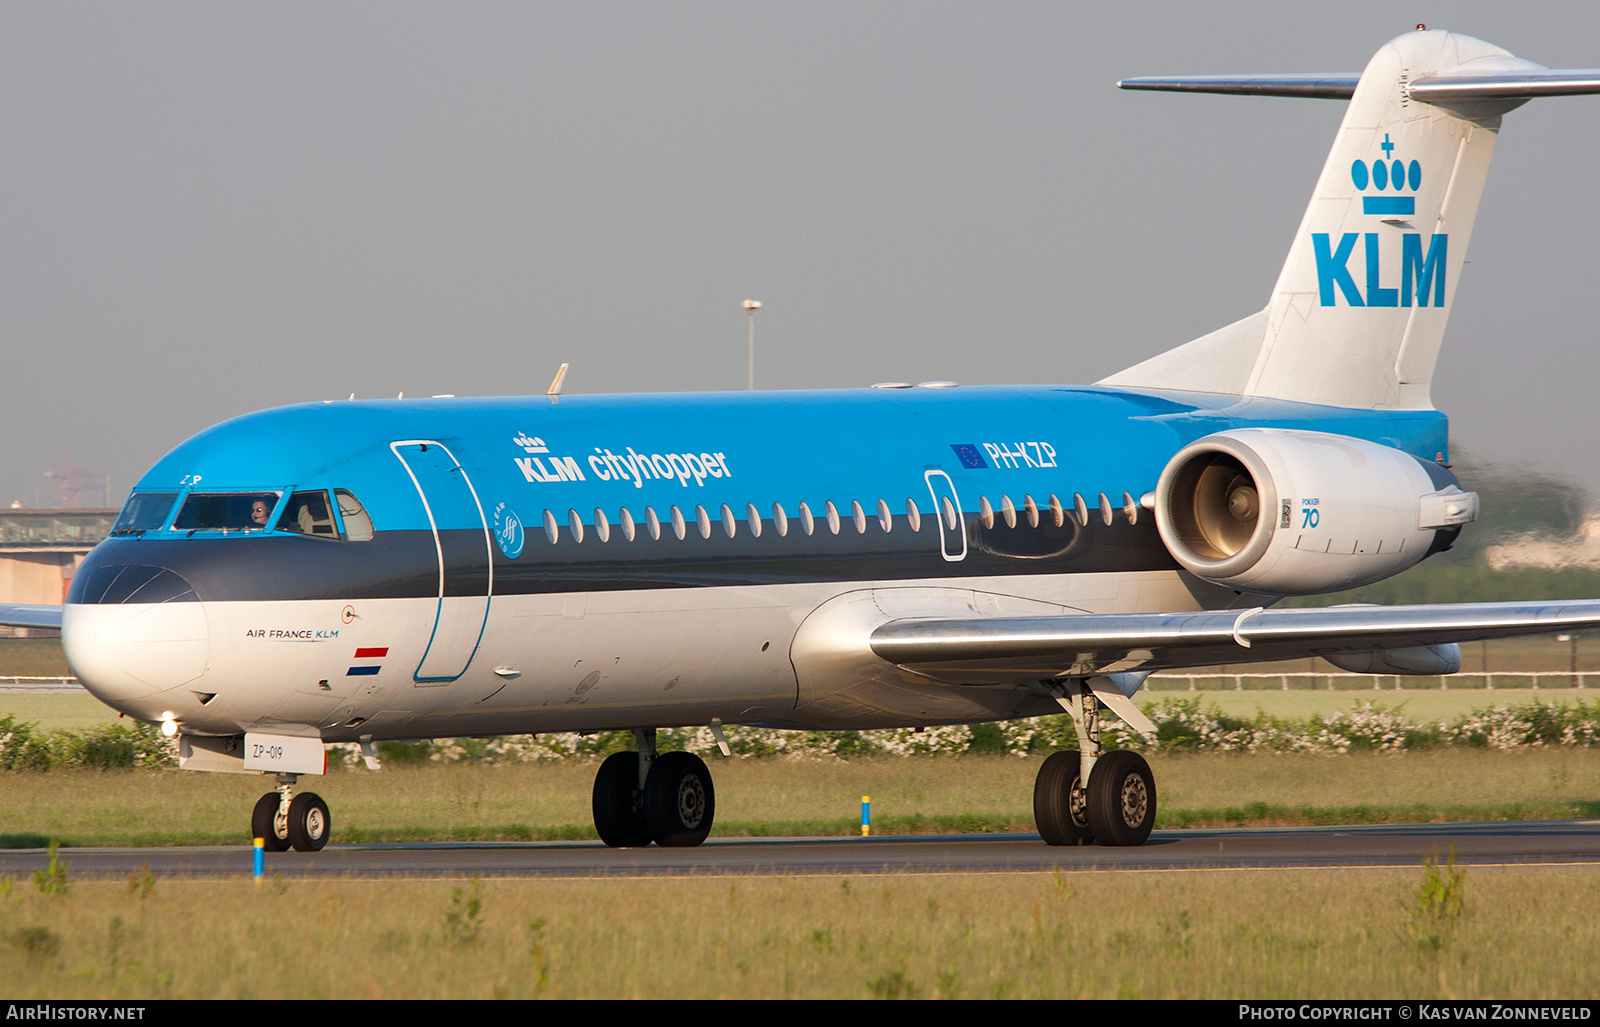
260,511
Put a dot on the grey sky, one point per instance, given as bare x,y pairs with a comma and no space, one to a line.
210,208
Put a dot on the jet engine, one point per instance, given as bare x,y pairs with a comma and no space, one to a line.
1296,512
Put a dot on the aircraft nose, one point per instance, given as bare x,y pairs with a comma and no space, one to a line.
135,633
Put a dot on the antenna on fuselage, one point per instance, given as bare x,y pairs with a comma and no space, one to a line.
554,391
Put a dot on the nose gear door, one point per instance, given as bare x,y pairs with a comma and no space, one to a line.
466,564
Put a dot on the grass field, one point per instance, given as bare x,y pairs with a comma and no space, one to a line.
54,711
775,797
1263,934
780,797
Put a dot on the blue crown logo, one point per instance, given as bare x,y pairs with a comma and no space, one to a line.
1387,174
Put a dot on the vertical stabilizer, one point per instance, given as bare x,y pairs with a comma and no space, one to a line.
1359,310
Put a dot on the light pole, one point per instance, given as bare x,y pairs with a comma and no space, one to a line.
751,306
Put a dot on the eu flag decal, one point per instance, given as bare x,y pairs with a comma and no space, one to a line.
968,454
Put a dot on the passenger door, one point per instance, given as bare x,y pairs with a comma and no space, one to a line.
466,565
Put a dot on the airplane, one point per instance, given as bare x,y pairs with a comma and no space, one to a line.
894,556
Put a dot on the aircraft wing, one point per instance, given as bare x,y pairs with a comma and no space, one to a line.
972,650
17,616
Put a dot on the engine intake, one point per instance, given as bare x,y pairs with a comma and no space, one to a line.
1296,513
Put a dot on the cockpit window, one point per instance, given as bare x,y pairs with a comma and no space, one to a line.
145,511
227,511
307,513
357,522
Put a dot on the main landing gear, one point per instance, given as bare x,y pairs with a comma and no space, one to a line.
1118,804
287,821
643,797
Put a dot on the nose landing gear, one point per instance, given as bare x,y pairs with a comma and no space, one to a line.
285,821
640,797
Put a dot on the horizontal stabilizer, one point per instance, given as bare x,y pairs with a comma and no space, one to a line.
1336,86
1518,85
30,616
1002,648
1358,314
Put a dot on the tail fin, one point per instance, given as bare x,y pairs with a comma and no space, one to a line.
1358,313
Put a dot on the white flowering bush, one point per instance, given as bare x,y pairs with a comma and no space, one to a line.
1181,725
103,747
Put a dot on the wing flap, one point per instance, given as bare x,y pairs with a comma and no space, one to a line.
1002,648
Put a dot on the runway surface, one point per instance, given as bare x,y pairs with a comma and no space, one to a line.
1527,843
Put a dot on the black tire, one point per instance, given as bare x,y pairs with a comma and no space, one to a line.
1122,799
1061,815
265,824
679,802
617,801
309,823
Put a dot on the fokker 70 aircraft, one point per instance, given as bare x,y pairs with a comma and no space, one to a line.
894,556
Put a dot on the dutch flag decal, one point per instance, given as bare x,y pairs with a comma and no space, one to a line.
367,653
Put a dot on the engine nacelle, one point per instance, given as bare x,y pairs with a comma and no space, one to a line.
1297,512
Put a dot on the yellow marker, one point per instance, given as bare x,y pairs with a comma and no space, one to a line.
866,815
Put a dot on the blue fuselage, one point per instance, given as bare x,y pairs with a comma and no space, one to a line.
385,569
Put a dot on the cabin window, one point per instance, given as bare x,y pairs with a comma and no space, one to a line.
859,516
950,518
780,520
1130,508
552,530
602,527
652,522
357,522
807,522
1105,510
228,511
1056,512
1008,511
628,527
1081,509
728,524
308,513
885,518
576,524
1031,508
833,517
913,515
753,518
985,512
144,511
679,528
702,520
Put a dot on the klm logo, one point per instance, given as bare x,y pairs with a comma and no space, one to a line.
1387,177
1393,185
1421,275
